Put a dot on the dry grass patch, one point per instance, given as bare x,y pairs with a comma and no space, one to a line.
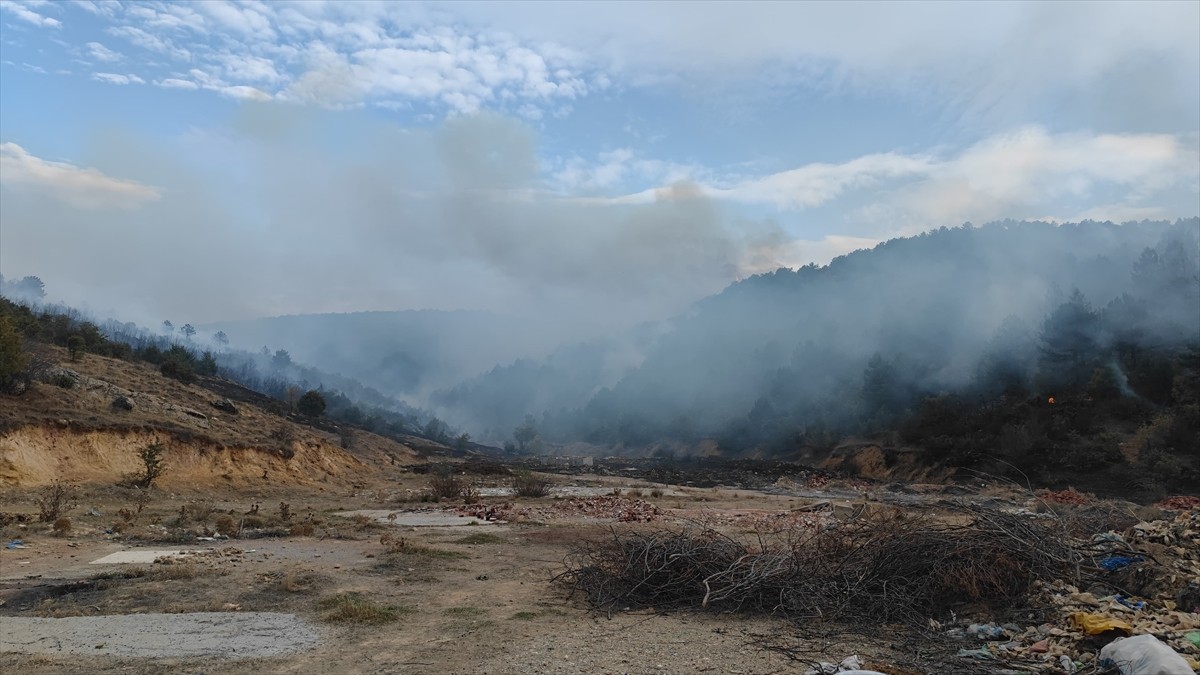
478,538
299,582
530,616
396,545
354,609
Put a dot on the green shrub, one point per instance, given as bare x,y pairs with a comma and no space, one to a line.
526,484
311,404
152,464
178,369
64,380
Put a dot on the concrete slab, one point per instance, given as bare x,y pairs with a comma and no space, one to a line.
233,635
416,519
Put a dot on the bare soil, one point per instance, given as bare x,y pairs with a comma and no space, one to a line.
470,599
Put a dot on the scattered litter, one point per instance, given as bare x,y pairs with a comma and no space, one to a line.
986,631
976,654
15,544
1131,604
851,665
1116,562
1067,664
1095,624
1143,655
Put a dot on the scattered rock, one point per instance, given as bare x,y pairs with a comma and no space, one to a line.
226,406
122,403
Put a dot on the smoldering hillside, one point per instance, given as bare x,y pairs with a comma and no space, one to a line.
781,360
408,354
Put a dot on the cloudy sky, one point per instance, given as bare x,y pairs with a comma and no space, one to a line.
605,162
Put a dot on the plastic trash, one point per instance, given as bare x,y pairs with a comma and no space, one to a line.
986,631
975,654
1194,638
1067,664
15,543
851,665
1116,562
1095,624
1131,604
1143,655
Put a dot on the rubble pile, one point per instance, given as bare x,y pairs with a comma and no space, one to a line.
212,557
1068,496
1179,503
619,509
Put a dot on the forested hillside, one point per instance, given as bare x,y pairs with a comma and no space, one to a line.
1043,345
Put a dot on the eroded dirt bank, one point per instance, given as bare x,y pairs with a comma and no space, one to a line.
37,455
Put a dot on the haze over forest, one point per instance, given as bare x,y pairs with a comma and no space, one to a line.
610,226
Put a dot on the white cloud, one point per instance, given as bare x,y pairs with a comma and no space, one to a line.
116,78
815,184
105,8
245,93
615,168
245,20
1027,171
1014,174
249,68
989,57
84,188
176,83
102,53
146,40
22,12
346,55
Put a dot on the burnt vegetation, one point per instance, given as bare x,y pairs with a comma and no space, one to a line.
885,569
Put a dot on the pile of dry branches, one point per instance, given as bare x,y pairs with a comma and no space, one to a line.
883,569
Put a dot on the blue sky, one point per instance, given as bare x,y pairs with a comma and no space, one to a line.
596,162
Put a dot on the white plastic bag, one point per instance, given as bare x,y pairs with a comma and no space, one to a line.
849,666
1143,655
